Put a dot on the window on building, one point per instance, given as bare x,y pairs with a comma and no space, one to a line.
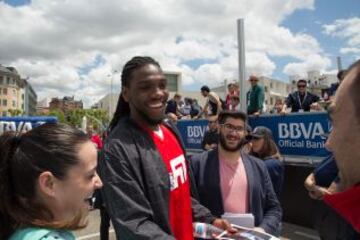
265,89
271,85
271,101
8,80
266,102
13,81
4,102
22,96
14,103
0,91
172,82
4,113
1,80
4,91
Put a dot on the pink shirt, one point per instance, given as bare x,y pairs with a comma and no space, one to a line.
234,187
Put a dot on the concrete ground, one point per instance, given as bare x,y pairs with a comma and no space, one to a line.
290,231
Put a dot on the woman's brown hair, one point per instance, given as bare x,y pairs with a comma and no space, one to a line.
49,147
268,150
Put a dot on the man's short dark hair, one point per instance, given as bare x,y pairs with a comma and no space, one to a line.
231,114
355,88
341,74
301,81
205,88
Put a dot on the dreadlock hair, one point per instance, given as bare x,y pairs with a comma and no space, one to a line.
122,108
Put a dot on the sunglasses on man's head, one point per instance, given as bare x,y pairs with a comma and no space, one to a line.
301,86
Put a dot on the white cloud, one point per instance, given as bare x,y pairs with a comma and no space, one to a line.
347,29
313,62
49,41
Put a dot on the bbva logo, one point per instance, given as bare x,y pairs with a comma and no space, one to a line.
298,130
196,131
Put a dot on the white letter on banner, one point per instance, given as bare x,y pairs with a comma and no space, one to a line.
178,168
10,126
190,132
295,130
307,131
318,130
283,130
27,127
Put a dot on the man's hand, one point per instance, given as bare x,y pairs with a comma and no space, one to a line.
224,224
315,192
259,229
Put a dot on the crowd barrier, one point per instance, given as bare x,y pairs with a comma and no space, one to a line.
298,136
23,124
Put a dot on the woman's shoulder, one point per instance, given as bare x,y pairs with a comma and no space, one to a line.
41,234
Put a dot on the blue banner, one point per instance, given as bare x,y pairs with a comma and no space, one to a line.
192,132
23,124
299,134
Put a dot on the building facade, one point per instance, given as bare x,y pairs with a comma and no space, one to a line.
16,94
65,104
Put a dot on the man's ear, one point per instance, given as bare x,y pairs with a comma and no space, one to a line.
47,183
125,94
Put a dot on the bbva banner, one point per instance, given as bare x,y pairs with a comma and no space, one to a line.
23,124
295,134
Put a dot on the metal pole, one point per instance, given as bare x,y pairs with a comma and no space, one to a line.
339,65
241,50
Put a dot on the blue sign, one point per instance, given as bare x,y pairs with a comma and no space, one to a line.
299,134
296,134
23,124
192,132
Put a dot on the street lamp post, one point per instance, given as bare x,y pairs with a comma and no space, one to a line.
111,92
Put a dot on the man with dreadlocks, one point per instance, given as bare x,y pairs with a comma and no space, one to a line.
147,182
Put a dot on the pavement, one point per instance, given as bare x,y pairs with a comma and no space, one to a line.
290,231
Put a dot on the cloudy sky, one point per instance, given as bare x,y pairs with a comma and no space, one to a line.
75,47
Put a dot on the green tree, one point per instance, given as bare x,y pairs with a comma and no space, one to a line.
15,112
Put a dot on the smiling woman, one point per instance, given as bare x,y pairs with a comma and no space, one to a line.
47,177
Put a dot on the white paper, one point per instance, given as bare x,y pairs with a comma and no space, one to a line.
244,220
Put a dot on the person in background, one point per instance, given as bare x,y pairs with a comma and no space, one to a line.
264,147
172,118
186,108
277,109
173,105
301,100
344,143
333,87
231,92
213,102
47,178
148,187
255,97
94,137
195,108
211,136
235,103
231,181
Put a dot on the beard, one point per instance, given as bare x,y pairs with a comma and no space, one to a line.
149,120
224,145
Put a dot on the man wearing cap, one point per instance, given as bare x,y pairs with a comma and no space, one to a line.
344,143
232,181
301,100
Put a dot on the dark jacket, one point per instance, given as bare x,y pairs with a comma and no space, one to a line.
210,137
137,186
276,170
263,203
255,99
293,101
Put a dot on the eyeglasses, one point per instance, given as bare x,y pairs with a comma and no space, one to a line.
229,127
301,86
212,122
